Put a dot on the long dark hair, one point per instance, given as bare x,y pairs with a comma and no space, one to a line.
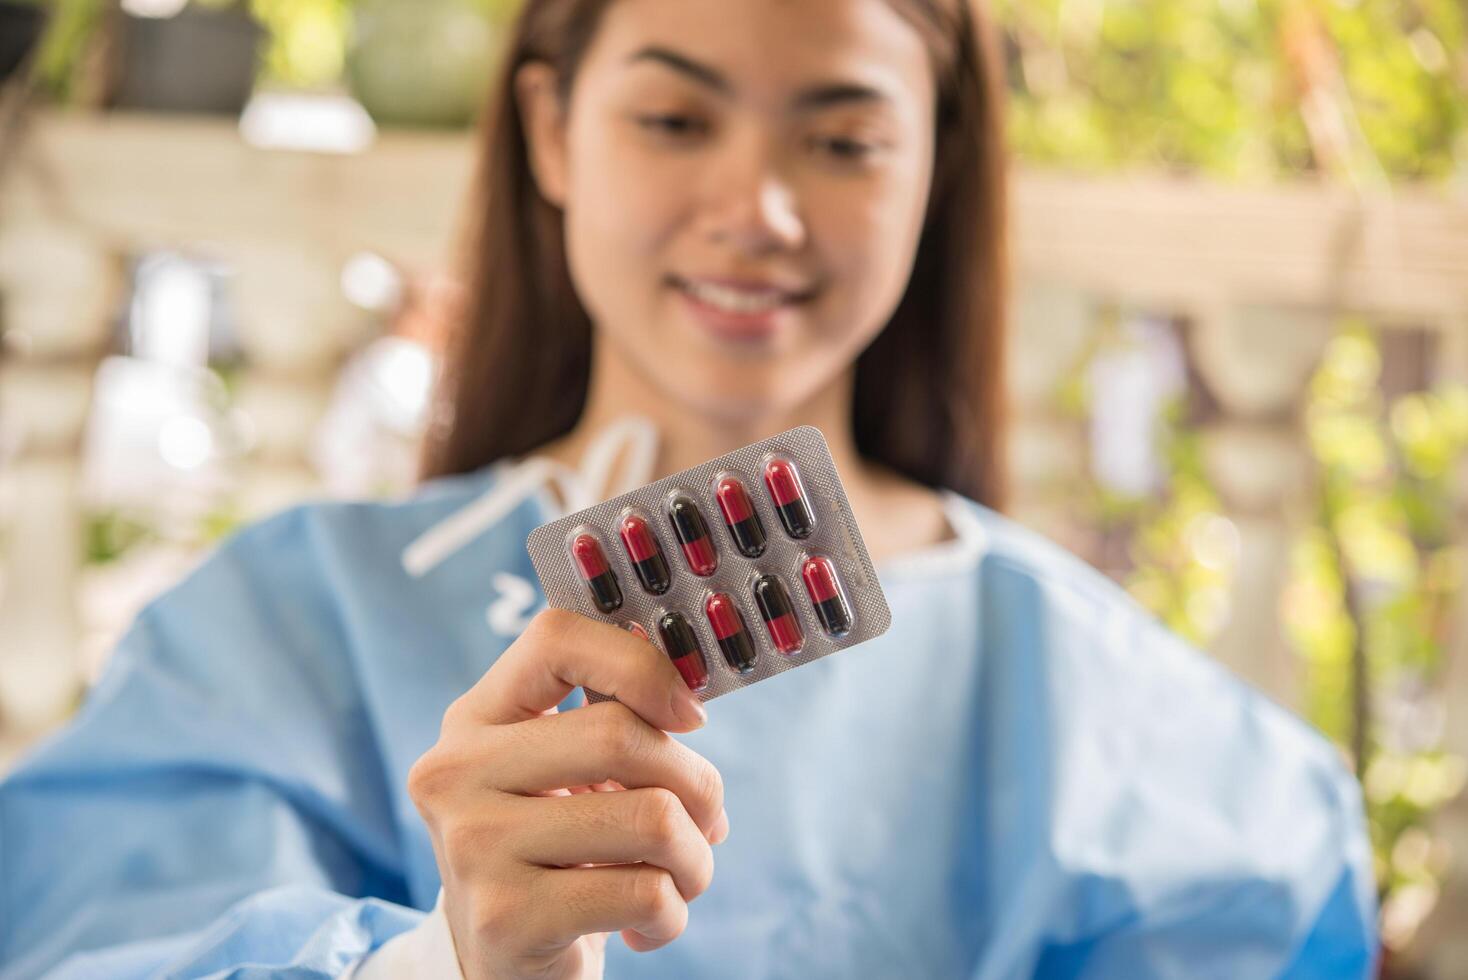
929,394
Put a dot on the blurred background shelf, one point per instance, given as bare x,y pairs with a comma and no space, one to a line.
133,178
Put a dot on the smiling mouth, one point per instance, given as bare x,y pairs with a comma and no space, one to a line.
751,299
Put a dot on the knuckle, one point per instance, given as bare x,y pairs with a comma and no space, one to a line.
437,774
658,816
620,733
496,915
427,779
549,625
454,716
652,894
463,838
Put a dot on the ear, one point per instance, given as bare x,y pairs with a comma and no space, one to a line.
545,128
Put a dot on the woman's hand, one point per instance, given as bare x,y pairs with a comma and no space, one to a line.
553,829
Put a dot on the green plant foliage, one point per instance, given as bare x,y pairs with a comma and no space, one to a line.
1182,549
111,534
1379,572
307,40
71,26
1217,87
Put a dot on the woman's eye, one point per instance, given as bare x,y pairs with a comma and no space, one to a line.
672,124
844,148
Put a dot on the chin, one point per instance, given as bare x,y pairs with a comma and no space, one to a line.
757,395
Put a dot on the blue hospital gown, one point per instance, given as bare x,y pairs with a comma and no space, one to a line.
1027,776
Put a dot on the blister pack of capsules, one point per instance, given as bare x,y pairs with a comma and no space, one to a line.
737,569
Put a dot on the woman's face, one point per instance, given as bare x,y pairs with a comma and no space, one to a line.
744,185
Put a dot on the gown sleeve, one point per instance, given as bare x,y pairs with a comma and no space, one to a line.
218,806
1192,827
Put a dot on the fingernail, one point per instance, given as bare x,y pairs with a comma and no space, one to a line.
690,708
721,828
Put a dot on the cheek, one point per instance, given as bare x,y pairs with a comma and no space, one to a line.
868,238
619,216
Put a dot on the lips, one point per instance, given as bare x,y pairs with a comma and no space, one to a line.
749,313
746,297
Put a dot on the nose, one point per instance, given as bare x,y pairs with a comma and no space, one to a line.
752,205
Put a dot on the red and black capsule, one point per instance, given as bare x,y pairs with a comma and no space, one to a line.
778,613
646,554
591,562
693,535
824,589
728,623
740,517
682,647
783,481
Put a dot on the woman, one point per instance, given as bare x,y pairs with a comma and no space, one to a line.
721,220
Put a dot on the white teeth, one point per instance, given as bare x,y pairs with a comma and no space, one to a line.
735,300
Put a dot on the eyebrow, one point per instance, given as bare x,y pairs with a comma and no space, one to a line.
816,97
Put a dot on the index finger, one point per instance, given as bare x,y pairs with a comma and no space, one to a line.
560,651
